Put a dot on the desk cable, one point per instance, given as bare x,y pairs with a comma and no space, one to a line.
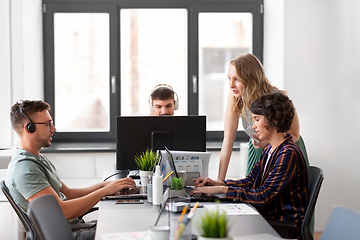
119,172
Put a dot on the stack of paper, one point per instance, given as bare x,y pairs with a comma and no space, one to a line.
233,209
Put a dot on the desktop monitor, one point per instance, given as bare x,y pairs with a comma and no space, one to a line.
137,133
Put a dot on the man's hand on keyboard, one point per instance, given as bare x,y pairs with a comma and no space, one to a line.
114,186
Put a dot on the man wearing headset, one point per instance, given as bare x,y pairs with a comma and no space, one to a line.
163,100
31,174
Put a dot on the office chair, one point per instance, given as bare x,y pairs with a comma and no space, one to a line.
48,219
29,229
315,179
343,223
30,232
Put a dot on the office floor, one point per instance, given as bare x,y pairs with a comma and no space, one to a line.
317,235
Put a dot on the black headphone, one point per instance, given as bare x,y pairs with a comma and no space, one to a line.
30,127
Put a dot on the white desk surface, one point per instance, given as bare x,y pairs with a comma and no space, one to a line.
114,218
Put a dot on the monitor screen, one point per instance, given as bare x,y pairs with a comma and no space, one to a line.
135,134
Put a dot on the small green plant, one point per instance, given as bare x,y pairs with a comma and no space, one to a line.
214,225
177,184
147,160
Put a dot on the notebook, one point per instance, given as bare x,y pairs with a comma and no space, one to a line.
198,197
137,193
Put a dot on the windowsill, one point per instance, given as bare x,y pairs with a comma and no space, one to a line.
79,147
216,146
111,147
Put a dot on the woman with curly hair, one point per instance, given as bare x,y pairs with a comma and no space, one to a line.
247,82
277,184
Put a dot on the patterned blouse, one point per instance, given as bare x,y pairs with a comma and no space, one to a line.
278,192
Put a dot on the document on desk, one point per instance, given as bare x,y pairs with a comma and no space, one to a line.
125,236
233,209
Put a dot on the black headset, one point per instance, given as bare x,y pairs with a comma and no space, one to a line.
30,127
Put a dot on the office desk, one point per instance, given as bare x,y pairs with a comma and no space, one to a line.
140,217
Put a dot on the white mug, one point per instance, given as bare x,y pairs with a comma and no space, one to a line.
159,232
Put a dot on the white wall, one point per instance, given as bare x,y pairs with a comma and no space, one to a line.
311,47
21,59
26,49
274,41
5,74
322,75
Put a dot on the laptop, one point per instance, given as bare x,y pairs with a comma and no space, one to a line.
134,193
198,197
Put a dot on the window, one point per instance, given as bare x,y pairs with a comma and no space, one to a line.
102,60
153,51
81,61
222,37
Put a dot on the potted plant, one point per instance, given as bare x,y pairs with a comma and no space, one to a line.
177,187
214,225
146,162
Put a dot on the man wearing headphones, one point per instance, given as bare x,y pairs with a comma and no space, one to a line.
163,100
31,174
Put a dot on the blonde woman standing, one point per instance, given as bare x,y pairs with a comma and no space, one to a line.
247,82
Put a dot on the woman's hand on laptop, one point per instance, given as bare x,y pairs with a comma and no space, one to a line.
201,182
210,190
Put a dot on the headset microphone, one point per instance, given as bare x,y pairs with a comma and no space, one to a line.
30,127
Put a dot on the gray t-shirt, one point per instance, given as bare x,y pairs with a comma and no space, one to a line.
28,174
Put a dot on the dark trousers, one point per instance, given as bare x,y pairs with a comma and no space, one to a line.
85,233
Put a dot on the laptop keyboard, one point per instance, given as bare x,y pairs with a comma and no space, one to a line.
199,196
195,195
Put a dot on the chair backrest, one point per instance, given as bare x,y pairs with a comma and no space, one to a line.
30,232
316,177
48,219
343,223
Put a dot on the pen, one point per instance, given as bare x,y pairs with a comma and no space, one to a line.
183,213
182,225
168,175
191,213
182,216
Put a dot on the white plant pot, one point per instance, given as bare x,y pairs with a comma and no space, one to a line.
144,177
177,193
206,238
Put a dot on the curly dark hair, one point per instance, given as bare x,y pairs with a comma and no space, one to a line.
277,109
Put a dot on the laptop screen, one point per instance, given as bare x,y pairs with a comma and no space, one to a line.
171,162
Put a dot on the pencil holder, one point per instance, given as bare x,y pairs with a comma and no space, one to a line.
176,226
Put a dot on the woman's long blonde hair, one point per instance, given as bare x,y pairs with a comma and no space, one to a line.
250,73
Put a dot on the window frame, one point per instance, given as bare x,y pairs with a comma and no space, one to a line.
49,71
113,7
256,10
